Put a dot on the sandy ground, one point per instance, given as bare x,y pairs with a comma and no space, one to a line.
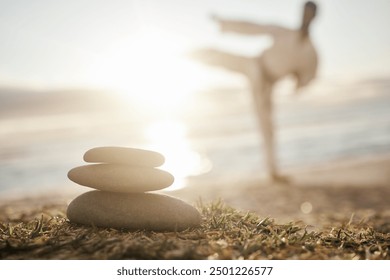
357,189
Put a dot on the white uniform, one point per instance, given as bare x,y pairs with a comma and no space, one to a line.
291,54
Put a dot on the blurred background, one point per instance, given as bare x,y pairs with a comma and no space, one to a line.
80,74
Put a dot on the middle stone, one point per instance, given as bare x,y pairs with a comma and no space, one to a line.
121,178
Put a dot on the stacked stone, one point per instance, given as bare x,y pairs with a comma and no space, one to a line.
122,179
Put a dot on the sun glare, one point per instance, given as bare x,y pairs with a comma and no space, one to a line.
169,137
149,68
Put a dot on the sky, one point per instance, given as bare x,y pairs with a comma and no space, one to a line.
96,43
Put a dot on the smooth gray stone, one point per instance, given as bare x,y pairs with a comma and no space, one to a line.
133,211
121,178
124,155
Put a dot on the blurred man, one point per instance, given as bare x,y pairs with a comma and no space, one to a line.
292,53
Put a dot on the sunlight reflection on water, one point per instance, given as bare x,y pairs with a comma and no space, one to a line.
170,138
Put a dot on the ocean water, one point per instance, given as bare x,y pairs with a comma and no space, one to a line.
211,136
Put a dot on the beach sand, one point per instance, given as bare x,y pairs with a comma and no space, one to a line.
358,188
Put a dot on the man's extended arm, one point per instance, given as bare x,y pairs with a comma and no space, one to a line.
248,28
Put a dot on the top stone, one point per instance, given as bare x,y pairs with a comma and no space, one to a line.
121,155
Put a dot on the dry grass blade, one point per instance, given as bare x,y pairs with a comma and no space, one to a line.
225,233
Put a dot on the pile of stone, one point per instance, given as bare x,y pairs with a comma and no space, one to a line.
123,179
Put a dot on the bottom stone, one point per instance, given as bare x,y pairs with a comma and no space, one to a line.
133,211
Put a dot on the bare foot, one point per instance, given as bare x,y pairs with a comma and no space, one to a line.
280,179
